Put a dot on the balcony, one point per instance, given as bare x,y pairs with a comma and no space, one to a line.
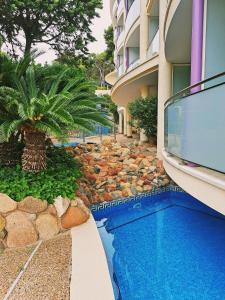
115,36
153,48
115,7
133,15
133,64
115,58
121,70
120,40
195,122
120,8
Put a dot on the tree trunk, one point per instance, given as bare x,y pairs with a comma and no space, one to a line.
34,153
28,45
9,153
114,131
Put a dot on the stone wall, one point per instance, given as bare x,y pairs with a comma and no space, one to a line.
23,223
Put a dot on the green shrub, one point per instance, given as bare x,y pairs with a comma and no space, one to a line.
144,113
59,179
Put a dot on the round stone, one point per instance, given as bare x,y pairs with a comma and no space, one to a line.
7,204
32,205
21,231
73,217
47,226
2,223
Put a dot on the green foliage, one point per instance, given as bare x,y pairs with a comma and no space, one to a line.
53,109
111,107
48,73
64,24
108,35
144,112
93,66
59,179
9,67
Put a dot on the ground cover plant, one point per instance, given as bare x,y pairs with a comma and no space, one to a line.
59,179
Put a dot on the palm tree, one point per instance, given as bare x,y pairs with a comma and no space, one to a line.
9,68
40,111
9,150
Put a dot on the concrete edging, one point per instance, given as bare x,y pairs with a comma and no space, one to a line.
90,274
204,184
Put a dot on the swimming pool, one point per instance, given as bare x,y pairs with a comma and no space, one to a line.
165,246
69,144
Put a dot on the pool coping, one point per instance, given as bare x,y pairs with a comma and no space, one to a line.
90,277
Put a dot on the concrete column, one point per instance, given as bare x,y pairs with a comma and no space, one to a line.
144,94
125,121
120,122
197,42
143,31
129,128
164,79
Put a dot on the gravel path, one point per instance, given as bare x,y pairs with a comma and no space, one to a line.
11,263
48,274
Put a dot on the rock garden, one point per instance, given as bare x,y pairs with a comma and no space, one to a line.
113,170
108,171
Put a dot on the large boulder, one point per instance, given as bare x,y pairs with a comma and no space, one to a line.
73,217
32,205
7,204
2,247
61,205
3,234
2,223
47,226
52,210
21,231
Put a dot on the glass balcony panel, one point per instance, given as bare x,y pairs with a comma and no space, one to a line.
133,15
115,6
121,70
153,48
195,126
120,7
133,64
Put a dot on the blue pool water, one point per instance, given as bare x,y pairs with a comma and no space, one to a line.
69,144
167,246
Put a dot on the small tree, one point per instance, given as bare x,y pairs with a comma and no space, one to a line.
37,111
63,25
110,46
111,107
144,112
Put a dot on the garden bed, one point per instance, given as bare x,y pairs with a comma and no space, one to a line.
40,206
115,170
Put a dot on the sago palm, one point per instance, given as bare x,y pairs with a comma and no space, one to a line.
9,150
49,110
9,68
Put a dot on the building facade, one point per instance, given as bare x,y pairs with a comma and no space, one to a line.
174,49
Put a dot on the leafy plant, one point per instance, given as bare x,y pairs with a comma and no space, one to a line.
53,109
59,179
144,112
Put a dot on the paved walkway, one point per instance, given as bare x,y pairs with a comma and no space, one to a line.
47,276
